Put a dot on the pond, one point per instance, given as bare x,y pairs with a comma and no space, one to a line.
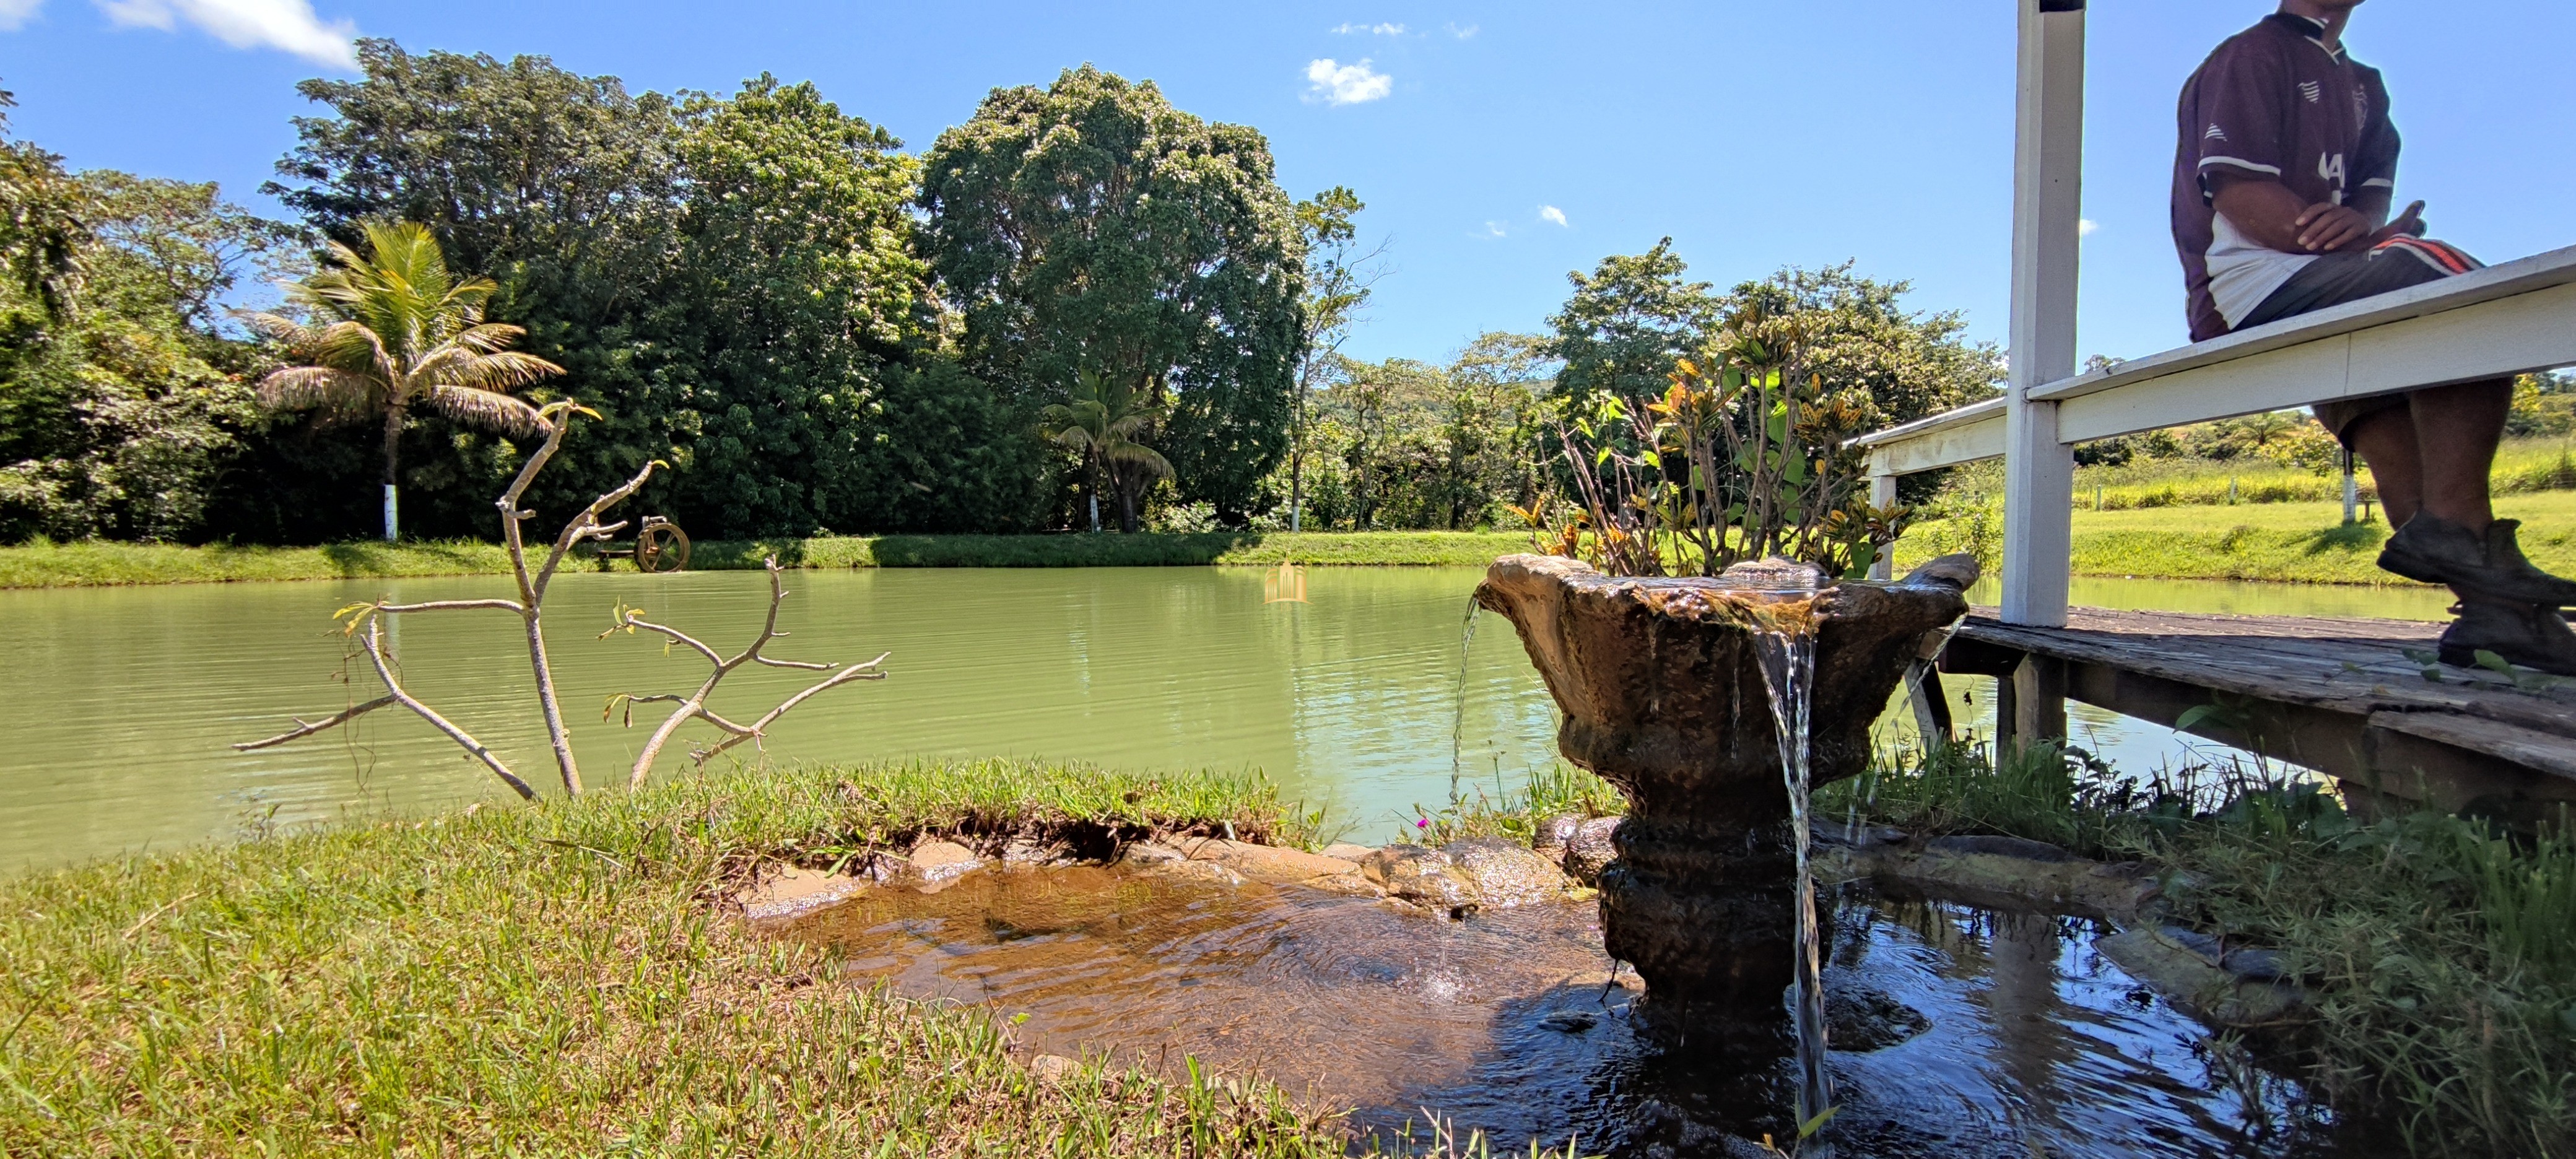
121,701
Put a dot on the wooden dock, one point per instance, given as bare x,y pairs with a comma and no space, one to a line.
2350,698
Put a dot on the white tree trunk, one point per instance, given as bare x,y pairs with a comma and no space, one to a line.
392,528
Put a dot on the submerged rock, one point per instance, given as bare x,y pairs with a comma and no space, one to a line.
1281,866
1504,874
936,863
1861,1018
1423,876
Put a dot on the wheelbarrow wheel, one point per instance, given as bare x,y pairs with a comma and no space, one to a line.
661,547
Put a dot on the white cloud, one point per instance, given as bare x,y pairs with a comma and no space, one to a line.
14,13
1346,84
1461,33
2084,226
1495,229
1350,29
1551,214
288,25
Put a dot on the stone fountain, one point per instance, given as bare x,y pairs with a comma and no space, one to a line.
1661,685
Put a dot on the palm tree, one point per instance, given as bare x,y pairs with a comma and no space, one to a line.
1101,422
391,329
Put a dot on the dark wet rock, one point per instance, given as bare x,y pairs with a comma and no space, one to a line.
1590,850
1504,874
1860,1018
1569,1022
2189,969
1840,836
2039,851
1026,853
1144,853
1660,683
1552,835
1422,876
2259,965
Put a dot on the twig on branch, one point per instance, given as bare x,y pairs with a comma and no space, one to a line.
694,705
304,728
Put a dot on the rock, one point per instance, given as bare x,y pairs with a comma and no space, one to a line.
1028,853
796,891
2177,963
1054,1069
1957,572
1553,835
1858,836
938,863
1346,851
1569,1022
1590,851
1145,853
1860,1018
1504,874
2039,851
1284,866
1422,876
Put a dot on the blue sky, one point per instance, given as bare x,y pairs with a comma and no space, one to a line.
1498,145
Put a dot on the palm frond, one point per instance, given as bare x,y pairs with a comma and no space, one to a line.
489,409
303,387
505,370
1140,456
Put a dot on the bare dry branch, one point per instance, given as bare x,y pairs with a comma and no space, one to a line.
451,606
304,728
373,643
694,706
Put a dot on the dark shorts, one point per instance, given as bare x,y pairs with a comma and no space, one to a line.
2335,279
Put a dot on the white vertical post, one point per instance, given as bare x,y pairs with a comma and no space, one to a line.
1882,493
2351,489
2048,170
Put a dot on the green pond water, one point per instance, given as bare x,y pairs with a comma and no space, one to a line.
120,702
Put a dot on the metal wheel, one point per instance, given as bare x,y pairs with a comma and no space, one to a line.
661,547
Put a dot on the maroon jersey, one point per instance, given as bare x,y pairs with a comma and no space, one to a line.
2274,103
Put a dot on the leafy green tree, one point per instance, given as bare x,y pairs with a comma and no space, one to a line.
1101,424
120,403
1856,334
391,330
1629,323
1339,277
1091,225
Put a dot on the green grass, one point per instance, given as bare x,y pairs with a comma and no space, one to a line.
2440,956
87,563
2296,542
2522,466
559,980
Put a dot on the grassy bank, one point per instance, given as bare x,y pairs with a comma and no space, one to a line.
2440,955
89,563
2522,466
2294,542
558,981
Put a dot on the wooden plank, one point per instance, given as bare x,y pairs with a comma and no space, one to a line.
2503,280
1944,446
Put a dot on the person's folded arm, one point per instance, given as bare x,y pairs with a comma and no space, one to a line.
2267,213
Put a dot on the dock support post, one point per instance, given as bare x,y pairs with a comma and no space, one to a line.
2048,166
1882,493
2038,701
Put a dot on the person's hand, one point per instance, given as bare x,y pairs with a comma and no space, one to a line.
2326,228
2408,224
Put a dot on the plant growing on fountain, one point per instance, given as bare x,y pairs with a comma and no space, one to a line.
1745,456
364,624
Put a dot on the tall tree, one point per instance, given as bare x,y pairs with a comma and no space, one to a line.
1629,323
1339,278
1859,336
1091,225
121,404
391,330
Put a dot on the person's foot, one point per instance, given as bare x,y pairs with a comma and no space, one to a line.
2438,551
2525,634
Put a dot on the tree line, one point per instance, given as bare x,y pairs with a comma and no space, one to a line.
1082,307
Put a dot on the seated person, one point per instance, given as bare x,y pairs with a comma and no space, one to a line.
2283,180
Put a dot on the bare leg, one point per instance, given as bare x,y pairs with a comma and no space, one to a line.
2456,431
2386,440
